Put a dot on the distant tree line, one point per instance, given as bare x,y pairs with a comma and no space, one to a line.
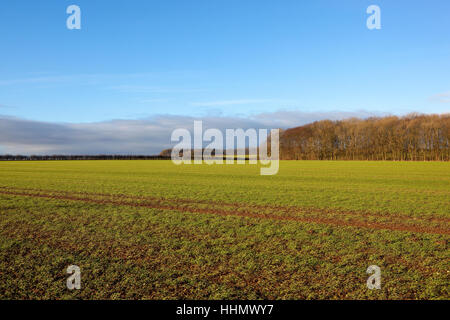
414,137
82,157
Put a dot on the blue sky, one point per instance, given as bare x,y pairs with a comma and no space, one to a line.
137,59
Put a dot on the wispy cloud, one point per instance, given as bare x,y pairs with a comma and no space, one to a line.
80,78
441,97
4,106
145,136
152,100
289,119
237,102
32,80
153,89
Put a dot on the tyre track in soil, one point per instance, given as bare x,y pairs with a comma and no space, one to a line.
174,205
241,206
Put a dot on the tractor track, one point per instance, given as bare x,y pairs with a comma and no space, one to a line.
341,219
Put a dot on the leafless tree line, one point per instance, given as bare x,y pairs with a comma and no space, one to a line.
414,137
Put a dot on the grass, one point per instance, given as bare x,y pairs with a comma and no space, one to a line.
153,230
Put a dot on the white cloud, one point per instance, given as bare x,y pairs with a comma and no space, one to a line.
441,97
152,100
237,102
79,78
4,106
153,89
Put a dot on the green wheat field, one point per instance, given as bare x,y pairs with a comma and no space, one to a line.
153,230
